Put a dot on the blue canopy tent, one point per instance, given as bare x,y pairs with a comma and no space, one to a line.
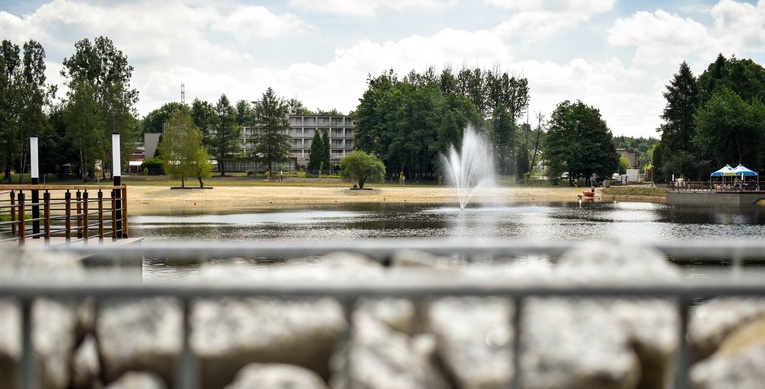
725,171
742,172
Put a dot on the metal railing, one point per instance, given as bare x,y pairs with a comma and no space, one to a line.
736,255
64,211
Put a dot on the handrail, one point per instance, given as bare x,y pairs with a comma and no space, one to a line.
43,218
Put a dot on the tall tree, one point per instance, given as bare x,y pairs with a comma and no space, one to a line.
682,97
156,119
103,70
203,115
183,155
244,114
272,142
223,139
579,141
730,130
24,96
315,160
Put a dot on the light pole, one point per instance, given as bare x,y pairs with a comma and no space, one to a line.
35,175
116,177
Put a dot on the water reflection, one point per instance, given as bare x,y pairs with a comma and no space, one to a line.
568,222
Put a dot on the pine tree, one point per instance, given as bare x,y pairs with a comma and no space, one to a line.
317,152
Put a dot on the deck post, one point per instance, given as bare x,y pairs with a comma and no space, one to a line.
116,175
85,217
100,215
68,214
79,214
22,217
13,213
46,211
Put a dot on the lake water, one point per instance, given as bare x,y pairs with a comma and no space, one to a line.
537,222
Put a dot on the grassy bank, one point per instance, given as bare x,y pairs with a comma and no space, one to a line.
634,193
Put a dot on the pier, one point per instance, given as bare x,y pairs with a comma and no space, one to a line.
63,214
715,197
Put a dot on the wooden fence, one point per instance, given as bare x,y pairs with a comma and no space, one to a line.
75,213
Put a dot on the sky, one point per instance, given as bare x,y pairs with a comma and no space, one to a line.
614,55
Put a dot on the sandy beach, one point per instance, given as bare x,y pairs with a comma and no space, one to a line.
143,200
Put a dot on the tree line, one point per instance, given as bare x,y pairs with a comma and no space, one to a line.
75,133
711,120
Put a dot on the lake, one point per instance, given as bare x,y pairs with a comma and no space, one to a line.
534,222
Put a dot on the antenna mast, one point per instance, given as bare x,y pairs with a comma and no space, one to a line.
183,93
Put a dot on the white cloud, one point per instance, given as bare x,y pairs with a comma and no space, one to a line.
365,7
248,22
661,37
538,19
740,24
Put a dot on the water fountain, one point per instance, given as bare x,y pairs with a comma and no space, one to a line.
472,168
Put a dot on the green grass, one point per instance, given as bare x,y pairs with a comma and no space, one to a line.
635,191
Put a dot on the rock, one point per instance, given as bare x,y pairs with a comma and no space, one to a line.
611,263
50,264
276,376
53,336
739,363
602,342
474,340
140,334
86,367
572,343
138,380
378,356
228,334
10,341
414,258
711,322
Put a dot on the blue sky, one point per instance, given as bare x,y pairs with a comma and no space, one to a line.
616,55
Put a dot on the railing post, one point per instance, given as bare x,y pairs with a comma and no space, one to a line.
114,215
85,217
79,214
35,213
46,211
124,212
100,216
13,213
68,215
22,217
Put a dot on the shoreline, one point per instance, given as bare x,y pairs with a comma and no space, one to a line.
154,200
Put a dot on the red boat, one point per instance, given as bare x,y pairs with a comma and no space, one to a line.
587,193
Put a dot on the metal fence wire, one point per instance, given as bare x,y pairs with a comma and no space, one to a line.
738,257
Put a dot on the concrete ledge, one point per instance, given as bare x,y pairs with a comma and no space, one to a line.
714,198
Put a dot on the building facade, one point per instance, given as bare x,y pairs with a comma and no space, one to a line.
302,128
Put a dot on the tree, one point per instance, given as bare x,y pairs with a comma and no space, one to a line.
682,97
358,165
327,155
156,119
579,141
183,154
102,71
730,130
244,113
317,152
272,143
24,95
222,140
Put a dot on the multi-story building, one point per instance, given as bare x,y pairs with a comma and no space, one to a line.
302,128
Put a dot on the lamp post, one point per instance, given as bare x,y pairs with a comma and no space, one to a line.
35,175
116,177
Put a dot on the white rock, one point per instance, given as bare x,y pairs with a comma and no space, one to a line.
140,334
276,376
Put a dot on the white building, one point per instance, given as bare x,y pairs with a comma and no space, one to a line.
302,128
